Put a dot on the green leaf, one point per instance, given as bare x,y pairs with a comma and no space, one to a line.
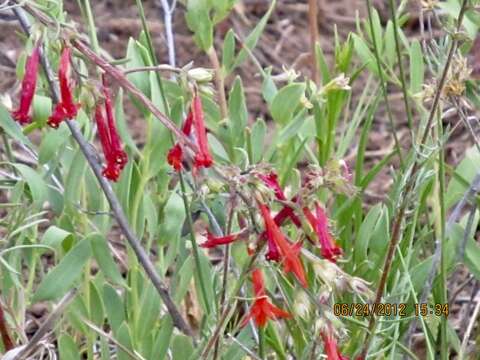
472,257
42,108
140,79
59,280
228,51
259,130
96,305
389,51
37,186
238,113
173,218
75,176
67,348
104,258
252,38
11,128
150,305
417,67
124,337
164,336
364,53
55,237
182,347
113,307
52,141
286,101
199,21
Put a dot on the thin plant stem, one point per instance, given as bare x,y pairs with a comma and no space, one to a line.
403,80
196,254
383,84
443,259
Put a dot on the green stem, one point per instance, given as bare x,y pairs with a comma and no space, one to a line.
443,265
261,342
196,254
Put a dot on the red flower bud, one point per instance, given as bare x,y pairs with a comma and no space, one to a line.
29,83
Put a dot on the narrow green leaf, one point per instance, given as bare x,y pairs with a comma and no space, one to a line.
104,258
38,187
417,67
286,101
59,280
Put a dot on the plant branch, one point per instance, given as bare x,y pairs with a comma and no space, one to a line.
92,160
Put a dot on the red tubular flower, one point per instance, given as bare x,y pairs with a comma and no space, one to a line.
213,241
29,84
331,348
111,171
203,158
262,309
289,252
119,156
319,223
66,108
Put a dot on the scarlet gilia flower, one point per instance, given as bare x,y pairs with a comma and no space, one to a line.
66,108
203,158
330,250
115,157
262,309
289,253
29,82
331,348
213,241
119,156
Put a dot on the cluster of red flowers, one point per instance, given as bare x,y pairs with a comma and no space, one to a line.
116,158
195,119
65,109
